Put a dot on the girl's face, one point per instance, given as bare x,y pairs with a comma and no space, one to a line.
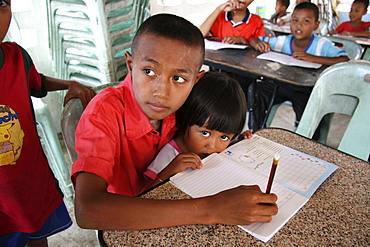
202,141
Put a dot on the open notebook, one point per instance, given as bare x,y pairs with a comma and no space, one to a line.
248,162
287,60
217,45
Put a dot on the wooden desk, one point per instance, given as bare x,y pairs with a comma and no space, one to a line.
244,62
337,214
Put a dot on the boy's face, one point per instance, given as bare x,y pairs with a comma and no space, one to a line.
279,8
357,11
303,23
244,3
5,17
164,72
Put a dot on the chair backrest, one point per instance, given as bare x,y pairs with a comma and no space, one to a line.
342,88
353,49
71,116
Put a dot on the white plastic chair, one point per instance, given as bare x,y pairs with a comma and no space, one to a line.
353,49
354,52
342,88
52,149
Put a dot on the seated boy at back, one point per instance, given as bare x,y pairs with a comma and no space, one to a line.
355,26
233,23
281,7
122,130
286,19
301,44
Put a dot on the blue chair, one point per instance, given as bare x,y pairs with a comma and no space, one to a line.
342,88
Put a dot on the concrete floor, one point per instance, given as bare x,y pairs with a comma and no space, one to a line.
284,118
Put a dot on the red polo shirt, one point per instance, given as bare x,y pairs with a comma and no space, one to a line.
251,26
346,26
115,140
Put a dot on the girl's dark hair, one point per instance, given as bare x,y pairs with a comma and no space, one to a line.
171,27
309,5
285,3
216,102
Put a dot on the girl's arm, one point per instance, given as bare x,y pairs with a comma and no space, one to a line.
180,163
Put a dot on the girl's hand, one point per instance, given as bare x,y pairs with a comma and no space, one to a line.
180,163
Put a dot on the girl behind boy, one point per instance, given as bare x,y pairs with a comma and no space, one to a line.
213,115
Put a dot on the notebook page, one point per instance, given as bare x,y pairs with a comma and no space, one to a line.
220,173
287,60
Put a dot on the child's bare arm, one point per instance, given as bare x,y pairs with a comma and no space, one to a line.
207,24
75,89
180,163
259,45
318,59
96,208
333,31
361,34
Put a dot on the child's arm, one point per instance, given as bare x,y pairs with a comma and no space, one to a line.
318,59
207,24
75,89
180,163
361,34
259,45
95,208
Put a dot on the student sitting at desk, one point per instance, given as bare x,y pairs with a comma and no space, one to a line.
280,10
286,19
233,23
122,130
301,44
212,116
355,27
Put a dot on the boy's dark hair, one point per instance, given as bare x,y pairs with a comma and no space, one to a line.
171,27
308,5
365,2
285,3
218,101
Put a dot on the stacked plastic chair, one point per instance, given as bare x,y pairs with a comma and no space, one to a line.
88,38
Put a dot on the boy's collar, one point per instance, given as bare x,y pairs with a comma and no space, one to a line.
245,20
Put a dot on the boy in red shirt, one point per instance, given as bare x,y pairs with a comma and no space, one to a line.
355,27
31,204
233,23
122,130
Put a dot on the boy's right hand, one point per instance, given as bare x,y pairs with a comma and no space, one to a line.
263,46
229,6
243,205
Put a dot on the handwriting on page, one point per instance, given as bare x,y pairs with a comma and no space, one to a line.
264,150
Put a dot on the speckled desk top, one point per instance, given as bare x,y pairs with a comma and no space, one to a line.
337,214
